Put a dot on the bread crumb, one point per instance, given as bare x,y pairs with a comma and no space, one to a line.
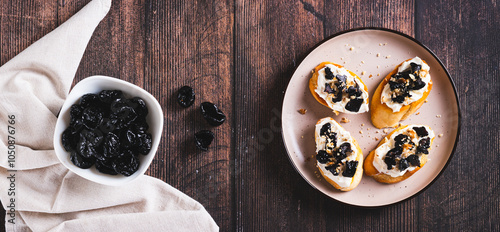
344,120
378,66
426,101
361,132
302,136
440,135
385,44
362,62
438,116
376,139
362,124
378,54
342,58
388,56
352,48
437,145
378,74
377,132
370,76
380,44
368,128
385,131
302,111
417,113
363,73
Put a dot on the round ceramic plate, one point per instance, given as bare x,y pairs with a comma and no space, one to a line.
371,53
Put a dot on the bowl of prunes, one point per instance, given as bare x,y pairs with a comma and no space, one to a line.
108,130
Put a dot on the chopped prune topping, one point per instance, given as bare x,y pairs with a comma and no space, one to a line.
329,89
421,131
325,129
328,74
354,104
105,126
126,164
390,162
323,157
350,168
423,145
403,164
185,96
81,161
415,67
341,78
402,82
401,139
333,168
414,160
212,114
203,139
354,91
390,157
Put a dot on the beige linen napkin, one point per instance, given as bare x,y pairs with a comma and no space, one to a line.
48,197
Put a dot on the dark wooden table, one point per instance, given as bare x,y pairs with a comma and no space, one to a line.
241,55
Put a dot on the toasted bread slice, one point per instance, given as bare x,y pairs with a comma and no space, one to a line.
341,106
339,181
382,115
383,175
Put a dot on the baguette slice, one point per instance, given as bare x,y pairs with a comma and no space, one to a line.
339,182
382,115
341,106
382,175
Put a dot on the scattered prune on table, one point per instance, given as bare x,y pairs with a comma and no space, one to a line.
106,127
350,168
322,157
421,131
185,96
212,114
203,139
81,161
126,164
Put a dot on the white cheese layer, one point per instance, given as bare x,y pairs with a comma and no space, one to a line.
415,94
351,80
381,151
342,137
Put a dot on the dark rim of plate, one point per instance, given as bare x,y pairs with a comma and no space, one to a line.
459,123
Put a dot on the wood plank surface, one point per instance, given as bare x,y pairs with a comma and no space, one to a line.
240,55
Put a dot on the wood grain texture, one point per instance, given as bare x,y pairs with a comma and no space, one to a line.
240,55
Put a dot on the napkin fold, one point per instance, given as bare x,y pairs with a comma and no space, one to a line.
43,193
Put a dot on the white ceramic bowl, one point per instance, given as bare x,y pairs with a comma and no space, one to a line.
95,84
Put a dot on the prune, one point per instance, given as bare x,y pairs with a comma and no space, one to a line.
390,162
140,106
92,118
354,91
350,168
69,139
401,139
203,139
423,145
354,104
108,96
105,127
414,160
417,84
342,151
328,89
111,147
415,67
81,161
403,165
333,169
105,166
421,131
322,157
395,152
127,164
212,114
325,129
185,96
399,99
341,78
328,74
144,143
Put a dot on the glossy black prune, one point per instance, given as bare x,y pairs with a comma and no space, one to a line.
328,74
126,164
328,89
403,165
103,128
354,91
81,161
186,96
414,160
401,139
203,139
389,161
333,169
322,157
325,129
354,104
415,67
423,145
212,114
350,168
421,131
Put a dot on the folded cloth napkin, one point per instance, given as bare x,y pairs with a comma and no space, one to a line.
46,196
